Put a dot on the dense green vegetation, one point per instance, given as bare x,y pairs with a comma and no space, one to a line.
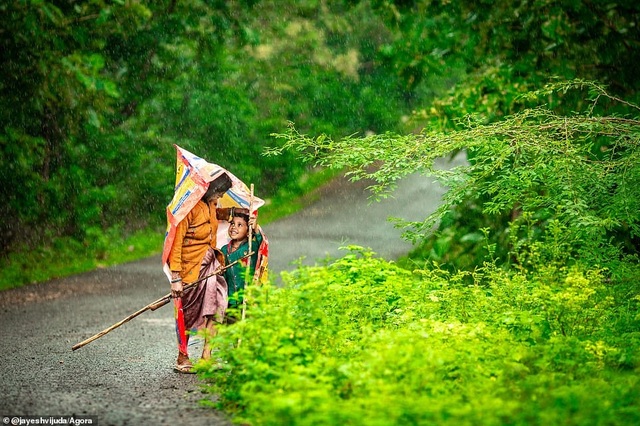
521,308
366,342
95,93
565,180
524,304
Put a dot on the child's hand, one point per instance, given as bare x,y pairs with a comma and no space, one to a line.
253,222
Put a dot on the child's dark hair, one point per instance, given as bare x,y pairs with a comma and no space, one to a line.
242,213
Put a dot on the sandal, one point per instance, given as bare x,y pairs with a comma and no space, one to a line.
185,368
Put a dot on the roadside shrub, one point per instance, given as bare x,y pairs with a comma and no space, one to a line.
363,341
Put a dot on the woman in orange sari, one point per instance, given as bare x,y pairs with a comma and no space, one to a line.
194,256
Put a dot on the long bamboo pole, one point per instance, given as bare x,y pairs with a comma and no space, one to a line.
154,305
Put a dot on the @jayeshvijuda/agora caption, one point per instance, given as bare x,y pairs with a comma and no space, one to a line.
49,420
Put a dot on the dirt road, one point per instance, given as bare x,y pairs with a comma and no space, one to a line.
125,378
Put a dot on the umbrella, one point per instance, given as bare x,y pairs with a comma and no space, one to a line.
193,175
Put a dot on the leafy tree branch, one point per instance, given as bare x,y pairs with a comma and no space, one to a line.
582,170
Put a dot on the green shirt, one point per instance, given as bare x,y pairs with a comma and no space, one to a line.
236,274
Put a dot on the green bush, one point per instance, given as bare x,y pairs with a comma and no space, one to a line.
363,341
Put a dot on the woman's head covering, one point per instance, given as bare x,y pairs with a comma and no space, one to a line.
194,176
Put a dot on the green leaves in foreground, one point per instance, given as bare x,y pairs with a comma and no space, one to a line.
365,342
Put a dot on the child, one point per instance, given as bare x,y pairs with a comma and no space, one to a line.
236,249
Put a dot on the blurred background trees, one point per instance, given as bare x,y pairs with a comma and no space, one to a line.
94,95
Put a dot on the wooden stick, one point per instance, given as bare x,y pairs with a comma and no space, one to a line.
154,305
248,271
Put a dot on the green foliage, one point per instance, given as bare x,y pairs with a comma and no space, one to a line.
72,74
363,341
546,315
510,46
570,181
507,49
